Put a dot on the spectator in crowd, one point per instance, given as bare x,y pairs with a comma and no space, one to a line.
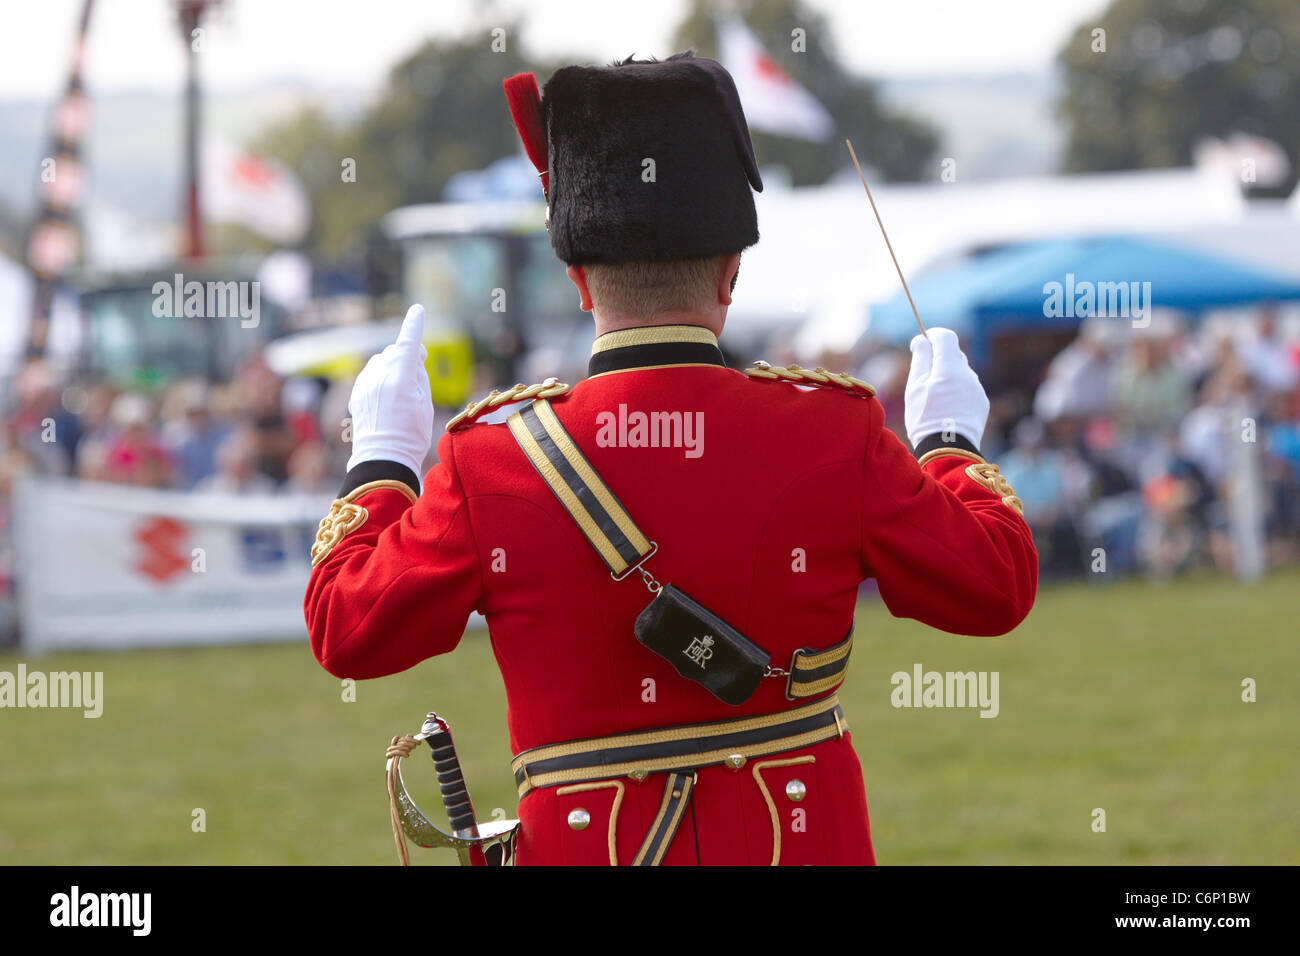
1152,393
1266,358
259,392
300,400
1281,444
1039,476
15,463
38,423
1078,383
311,470
134,456
335,423
1177,522
237,461
195,434
1111,520
97,430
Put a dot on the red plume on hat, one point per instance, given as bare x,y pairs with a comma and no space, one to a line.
525,102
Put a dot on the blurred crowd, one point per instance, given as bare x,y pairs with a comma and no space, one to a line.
1136,451
257,433
1150,450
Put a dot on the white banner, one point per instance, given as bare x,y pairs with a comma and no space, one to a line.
108,566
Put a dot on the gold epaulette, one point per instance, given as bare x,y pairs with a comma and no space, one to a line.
515,393
810,376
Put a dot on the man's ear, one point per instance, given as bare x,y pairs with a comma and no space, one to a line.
727,278
579,278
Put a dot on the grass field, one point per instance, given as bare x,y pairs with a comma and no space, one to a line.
1125,697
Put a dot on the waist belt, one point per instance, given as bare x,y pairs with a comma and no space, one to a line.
679,752
689,747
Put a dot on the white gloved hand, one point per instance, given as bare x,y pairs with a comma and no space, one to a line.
943,393
392,414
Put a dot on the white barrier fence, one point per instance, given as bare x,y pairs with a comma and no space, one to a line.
106,566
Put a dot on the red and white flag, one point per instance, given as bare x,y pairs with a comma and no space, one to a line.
261,194
1249,159
773,102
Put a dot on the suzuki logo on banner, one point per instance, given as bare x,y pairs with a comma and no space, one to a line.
162,555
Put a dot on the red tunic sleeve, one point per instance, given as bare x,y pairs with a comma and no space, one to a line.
944,537
398,586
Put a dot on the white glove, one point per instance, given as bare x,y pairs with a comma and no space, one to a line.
943,393
392,414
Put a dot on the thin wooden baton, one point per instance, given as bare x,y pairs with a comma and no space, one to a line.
888,245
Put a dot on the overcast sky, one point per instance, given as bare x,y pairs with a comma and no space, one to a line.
135,44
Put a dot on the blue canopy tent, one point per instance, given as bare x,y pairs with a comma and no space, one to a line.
1055,284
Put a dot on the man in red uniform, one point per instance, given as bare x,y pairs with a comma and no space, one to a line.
767,496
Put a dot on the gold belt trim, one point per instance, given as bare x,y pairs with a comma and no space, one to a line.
812,673
708,749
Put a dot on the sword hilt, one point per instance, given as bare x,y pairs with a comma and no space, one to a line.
451,779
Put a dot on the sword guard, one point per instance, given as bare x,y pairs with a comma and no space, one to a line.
487,844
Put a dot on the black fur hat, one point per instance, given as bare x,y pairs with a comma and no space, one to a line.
607,203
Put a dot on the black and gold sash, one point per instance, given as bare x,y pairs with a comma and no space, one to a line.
625,548
587,499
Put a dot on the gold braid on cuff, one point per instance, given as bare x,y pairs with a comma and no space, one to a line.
345,517
987,474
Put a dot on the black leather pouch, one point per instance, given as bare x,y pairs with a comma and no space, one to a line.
702,646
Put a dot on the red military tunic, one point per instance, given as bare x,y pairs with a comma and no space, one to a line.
788,498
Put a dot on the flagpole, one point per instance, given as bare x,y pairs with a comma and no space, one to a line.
53,245
191,12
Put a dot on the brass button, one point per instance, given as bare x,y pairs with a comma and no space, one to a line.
735,761
579,819
638,775
795,790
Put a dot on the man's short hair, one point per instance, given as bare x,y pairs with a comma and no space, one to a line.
646,289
